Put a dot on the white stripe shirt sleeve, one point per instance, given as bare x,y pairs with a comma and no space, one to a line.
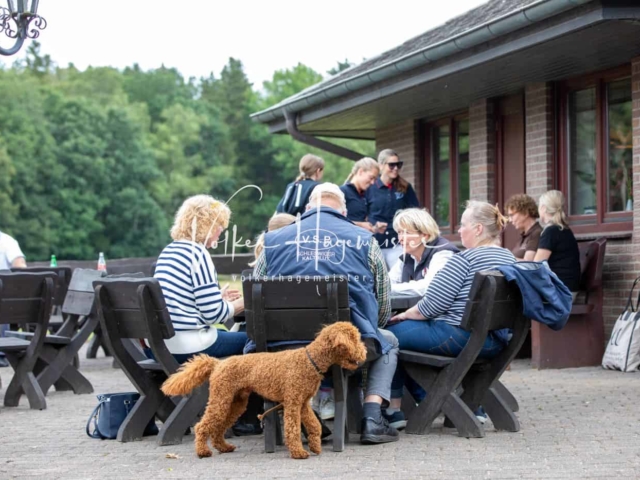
445,287
208,296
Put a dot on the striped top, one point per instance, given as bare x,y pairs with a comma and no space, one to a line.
448,292
190,287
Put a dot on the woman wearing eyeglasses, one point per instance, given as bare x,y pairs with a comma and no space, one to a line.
387,195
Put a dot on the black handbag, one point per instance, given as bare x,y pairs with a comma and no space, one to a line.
111,411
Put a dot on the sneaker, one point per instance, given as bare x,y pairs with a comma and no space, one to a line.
326,407
377,431
396,419
481,415
3,361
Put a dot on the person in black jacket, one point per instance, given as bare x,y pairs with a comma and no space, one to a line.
297,194
557,244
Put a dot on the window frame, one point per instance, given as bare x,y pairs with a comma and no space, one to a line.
449,231
601,221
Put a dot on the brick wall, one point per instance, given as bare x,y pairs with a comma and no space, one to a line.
482,152
539,142
403,138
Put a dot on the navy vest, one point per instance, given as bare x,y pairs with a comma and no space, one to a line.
410,271
334,247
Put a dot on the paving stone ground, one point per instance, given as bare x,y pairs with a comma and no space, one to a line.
575,423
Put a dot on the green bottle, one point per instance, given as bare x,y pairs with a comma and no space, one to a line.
54,262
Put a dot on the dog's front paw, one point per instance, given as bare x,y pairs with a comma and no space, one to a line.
299,454
226,448
204,453
315,446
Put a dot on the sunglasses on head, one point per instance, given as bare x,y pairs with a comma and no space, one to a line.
393,165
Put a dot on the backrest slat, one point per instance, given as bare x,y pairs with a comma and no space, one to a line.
22,297
506,304
286,310
80,295
303,294
63,277
127,309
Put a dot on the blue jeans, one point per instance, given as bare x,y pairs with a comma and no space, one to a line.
435,337
227,344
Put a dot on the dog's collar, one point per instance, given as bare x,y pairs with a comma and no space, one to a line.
313,363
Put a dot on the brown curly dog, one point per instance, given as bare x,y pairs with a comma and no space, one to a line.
290,377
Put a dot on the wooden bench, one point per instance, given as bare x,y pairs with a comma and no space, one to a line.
63,277
457,386
55,364
581,342
281,311
25,298
134,308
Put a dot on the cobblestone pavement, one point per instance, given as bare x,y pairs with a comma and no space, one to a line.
575,423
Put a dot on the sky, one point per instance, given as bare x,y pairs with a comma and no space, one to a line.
198,36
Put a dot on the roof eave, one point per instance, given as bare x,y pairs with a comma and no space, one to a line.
491,30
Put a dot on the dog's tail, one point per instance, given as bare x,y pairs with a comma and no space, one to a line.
193,373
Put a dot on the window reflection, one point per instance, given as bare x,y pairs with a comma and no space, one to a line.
582,152
441,182
620,147
462,129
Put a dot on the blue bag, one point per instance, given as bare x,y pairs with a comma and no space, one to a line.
111,411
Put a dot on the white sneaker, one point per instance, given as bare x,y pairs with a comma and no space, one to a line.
326,407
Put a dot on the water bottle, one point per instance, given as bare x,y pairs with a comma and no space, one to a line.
102,264
54,262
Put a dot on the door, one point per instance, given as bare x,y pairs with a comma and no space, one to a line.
510,143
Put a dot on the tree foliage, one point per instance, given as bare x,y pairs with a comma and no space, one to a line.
100,159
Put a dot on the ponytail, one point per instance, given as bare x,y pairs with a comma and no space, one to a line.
367,164
553,201
309,164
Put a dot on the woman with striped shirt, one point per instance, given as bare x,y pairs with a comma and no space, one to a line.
190,286
433,325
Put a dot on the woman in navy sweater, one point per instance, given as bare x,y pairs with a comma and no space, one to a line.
363,174
386,196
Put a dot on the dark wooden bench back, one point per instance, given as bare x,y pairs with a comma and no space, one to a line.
592,264
134,308
283,310
26,298
80,295
493,303
128,301
62,280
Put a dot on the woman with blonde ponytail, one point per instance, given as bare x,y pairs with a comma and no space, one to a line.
389,194
433,325
297,193
363,174
558,245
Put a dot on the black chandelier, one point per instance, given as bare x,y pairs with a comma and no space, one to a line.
20,23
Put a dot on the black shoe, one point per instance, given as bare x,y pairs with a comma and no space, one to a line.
377,431
4,362
244,429
326,431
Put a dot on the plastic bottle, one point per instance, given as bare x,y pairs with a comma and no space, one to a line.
54,261
102,264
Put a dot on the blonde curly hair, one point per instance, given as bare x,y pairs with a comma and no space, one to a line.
197,218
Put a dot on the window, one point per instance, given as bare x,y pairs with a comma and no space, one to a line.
448,171
596,151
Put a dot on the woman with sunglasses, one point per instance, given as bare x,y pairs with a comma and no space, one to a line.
387,195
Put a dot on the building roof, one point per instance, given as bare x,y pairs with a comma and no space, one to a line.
491,20
485,13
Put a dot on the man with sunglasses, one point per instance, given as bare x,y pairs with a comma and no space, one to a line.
385,197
